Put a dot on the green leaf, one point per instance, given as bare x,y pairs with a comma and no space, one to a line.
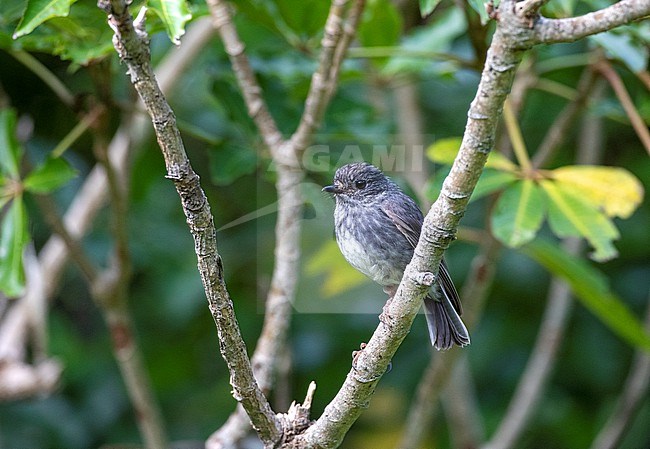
306,17
52,174
571,215
479,7
614,190
436,37
12,243
80,37
519,213
590,287
10,151
39,11
381,24
174,14
427,7
492,181
339,277
444,151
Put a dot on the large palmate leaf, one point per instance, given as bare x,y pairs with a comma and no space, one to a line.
519,213
571,215
614,190
590,287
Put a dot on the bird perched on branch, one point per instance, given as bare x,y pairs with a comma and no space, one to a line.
377,227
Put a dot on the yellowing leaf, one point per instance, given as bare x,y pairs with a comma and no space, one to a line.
340,276
615,191
444,151
570,214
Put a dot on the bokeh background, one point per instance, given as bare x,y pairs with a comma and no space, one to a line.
335,308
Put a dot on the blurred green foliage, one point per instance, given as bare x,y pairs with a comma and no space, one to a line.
330,319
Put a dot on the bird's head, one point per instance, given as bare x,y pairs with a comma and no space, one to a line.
359,182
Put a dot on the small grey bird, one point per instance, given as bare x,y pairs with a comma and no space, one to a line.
377,227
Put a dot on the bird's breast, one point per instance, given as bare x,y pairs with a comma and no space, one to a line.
371,244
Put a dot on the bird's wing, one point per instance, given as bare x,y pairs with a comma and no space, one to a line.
406,216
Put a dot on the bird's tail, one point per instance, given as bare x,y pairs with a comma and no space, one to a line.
444,323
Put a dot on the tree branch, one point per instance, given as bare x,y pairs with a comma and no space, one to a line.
334,44
338,34
438,231
474,294
252,92
132,45
552,31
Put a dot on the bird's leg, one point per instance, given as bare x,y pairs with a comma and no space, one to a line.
384,317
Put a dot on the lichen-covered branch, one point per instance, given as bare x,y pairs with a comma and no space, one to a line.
285,153
551,31
515,33
132,45
420,416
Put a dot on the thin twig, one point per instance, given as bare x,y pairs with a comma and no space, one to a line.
563,122
553,31
75,133
636,120
75,249
514,132
461,407
411,137
49,78
131,43
336,39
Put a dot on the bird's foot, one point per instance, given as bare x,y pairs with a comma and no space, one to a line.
356,354
384,316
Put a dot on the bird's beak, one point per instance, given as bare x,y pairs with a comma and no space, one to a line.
331,189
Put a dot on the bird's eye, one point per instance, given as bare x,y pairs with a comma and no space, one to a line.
361,184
